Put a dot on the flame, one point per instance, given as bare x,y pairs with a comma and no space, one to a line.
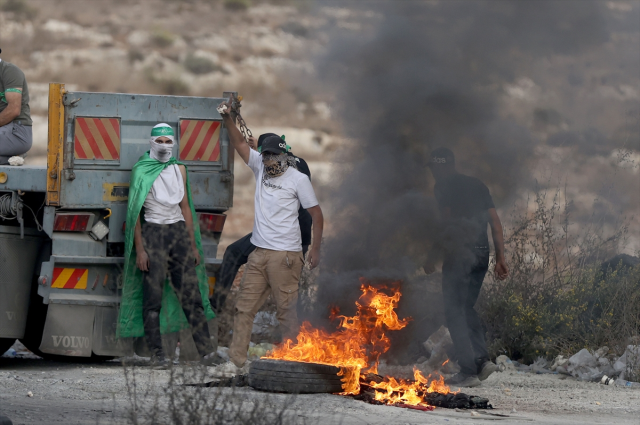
357,345
392,391
359,341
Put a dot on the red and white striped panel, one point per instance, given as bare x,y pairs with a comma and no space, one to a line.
200,140
97,138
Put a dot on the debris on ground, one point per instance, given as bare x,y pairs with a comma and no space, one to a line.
434,399
234,382
18,350
257,351
592,366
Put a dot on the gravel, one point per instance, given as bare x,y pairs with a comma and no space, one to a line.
73,393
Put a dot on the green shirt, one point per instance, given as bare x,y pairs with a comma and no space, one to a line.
12,80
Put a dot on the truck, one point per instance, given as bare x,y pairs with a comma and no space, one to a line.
62,226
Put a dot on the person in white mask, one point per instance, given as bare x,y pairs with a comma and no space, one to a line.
164,241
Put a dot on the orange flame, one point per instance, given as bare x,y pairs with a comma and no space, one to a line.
357,346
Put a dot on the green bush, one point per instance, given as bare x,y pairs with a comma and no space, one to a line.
237,4
173,86
162,38
199,65
19,8
557,298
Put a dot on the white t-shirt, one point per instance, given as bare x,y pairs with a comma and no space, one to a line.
162,204
277,202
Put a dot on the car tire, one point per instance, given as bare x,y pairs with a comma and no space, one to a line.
294,377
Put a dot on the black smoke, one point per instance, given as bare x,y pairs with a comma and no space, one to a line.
424,75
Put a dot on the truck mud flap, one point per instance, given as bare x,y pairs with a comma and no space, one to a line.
68,330
105,342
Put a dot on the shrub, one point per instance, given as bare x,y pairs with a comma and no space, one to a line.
135,55
199,64
19,8
174,86
181,395
557,298
162,38
237,4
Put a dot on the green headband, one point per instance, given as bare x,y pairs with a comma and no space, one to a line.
161,131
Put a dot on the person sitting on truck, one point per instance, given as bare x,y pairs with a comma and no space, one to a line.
238,252
162,237
276,263
15,119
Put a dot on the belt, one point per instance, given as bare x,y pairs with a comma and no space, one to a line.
21,122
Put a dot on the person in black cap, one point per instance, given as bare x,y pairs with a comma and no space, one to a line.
238,252
466,207
16,136
274,267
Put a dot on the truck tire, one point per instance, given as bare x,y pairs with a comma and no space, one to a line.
5,344
294,377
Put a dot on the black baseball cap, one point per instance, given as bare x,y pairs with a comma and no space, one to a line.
442,156
264,137
274,144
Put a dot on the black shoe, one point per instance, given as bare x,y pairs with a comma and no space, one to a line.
463,380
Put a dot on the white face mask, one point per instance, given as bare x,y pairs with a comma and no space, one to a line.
160,151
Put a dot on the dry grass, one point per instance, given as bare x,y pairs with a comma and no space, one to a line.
163,397
558,298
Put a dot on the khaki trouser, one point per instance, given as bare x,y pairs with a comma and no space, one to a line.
267,271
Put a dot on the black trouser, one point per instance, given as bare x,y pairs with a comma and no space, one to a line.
169,249
461,284
235,256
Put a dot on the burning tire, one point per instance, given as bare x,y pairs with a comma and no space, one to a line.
294,377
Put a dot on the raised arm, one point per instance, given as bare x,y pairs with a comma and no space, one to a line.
11,112
235,136
501,270
318,225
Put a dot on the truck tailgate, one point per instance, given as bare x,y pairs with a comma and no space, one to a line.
28,178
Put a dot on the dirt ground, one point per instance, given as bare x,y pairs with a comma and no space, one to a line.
76,393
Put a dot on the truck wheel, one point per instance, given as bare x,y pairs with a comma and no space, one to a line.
294,377
5,344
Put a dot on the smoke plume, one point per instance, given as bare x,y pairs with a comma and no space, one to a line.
424,75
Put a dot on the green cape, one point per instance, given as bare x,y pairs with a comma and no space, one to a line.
172,318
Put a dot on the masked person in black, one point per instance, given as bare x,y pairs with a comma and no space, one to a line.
238,252
466,208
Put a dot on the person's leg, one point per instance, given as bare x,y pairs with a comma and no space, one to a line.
235,256
15,139
283,272
474,323
252,294
185,282
152,285
454,290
